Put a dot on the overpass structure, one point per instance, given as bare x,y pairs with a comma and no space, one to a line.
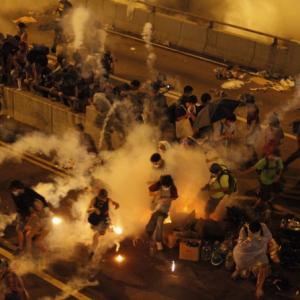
197,36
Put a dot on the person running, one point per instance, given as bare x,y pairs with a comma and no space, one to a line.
270,169
99,216
167,192
250,255
37,227
24,199
221,183
11,285
273,135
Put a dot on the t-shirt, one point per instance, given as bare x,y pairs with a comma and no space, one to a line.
218,183
269,169
24,201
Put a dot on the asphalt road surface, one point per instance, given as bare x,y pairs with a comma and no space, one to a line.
140,276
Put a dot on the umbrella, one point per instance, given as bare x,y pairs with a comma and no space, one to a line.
214,112
25,20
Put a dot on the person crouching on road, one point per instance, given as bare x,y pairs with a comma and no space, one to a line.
24,199
250,254
99,216
11,285
221,183
167,192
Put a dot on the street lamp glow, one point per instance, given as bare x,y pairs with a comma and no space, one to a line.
56,220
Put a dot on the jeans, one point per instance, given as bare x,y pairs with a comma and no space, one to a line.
155,226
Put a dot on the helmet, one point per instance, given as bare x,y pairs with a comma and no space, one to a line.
215,168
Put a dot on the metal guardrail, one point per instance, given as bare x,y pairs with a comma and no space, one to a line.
211,23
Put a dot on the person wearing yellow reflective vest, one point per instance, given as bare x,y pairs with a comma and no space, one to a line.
221,183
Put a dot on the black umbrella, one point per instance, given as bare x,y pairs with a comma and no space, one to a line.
223,109
214,112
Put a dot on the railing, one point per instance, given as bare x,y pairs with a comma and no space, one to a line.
211,23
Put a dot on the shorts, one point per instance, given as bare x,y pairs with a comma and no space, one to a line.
101,227
266,191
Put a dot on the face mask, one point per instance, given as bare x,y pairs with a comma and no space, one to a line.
156,165
16,193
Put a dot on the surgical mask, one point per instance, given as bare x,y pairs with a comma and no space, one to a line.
157,165
17,193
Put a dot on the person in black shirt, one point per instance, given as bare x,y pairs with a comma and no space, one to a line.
99,215
24,199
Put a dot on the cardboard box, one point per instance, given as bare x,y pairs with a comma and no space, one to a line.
189,249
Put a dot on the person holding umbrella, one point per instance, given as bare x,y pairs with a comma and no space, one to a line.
214,112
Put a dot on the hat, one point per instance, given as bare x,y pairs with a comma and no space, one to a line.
215,168
155,157
16,184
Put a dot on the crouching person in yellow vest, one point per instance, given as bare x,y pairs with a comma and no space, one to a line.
222,183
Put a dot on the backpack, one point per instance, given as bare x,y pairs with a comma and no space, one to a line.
232,181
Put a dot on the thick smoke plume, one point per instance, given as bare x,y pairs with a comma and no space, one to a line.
80,17
147,37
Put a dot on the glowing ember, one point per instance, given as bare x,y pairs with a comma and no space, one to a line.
119,258
168,220
56,220
173,266
117,246
118,230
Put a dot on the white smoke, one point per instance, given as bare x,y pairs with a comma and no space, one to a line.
147,37
80,17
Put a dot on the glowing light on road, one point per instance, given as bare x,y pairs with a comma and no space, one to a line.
119,258
168,220
173,266
56,220
118,245
118,230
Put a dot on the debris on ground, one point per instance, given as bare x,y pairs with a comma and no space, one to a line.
233,84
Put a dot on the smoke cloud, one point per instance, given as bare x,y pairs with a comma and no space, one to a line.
80,17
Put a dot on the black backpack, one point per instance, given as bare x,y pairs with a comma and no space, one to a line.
232,181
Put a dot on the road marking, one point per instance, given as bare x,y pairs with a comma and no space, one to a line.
53,281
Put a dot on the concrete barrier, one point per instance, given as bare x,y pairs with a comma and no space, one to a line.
184,33
38,112
230,47
121,19
109,12
7,101
167,29
193,36
139,18
31,110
